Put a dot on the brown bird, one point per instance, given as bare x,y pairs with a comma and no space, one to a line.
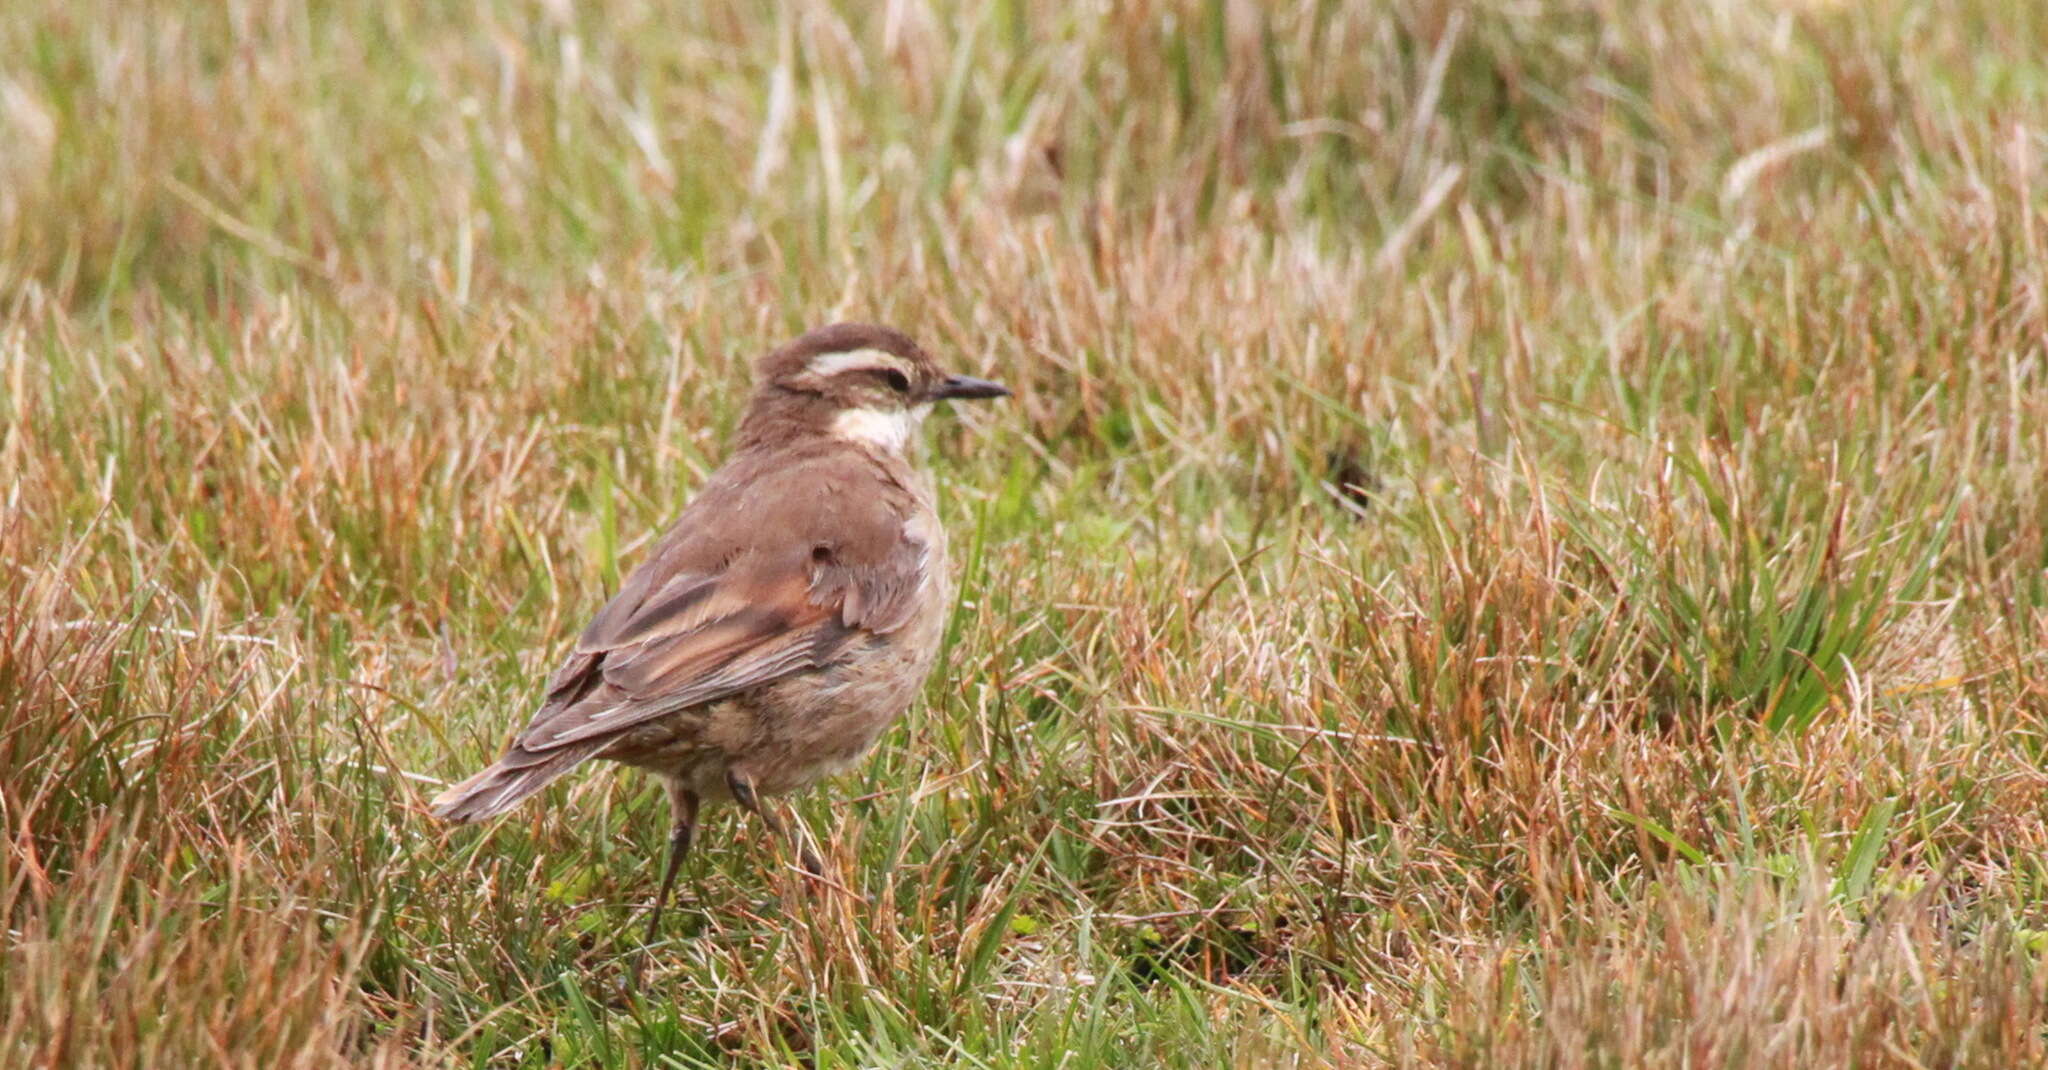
791,613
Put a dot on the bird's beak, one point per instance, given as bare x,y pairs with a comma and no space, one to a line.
967,386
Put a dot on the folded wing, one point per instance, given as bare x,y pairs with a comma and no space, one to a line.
707,618
797,570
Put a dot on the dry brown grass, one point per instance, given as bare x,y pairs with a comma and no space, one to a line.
1520,541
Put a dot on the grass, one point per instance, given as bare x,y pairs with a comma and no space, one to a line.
1520,539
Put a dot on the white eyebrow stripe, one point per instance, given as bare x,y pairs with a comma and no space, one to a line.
834,363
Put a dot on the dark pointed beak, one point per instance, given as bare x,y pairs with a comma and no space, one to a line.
967,386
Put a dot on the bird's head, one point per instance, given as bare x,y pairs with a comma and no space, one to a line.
867,384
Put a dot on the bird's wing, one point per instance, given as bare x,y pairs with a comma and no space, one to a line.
767,573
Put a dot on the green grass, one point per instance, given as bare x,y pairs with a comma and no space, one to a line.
1520,540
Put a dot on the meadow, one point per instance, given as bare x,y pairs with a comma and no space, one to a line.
1520,542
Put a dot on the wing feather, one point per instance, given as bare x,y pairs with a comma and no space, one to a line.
795,572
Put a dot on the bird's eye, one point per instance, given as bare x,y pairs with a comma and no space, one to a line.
897,381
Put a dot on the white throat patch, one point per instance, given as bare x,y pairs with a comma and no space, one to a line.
886,430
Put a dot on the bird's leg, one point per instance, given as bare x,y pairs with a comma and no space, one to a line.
743,793
679,839
682,805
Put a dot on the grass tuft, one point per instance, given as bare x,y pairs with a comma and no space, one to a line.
1519,540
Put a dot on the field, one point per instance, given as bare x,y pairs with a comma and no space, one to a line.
1521,540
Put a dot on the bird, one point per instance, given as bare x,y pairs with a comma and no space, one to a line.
787,617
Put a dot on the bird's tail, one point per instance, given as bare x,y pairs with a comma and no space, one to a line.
518,774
